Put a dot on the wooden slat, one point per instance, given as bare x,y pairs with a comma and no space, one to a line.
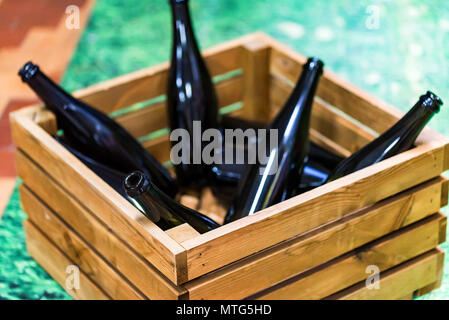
154,117
55,263
151,82
318,246
349,269
77,250
119,253
256,83
399,281
339,93
312,209
182,232
126,221
332,125
355,102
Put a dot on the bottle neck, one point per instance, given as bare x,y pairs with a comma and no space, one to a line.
412,123
182,25
52,94
150,202
299,105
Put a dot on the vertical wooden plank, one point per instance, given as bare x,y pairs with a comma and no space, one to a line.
256,80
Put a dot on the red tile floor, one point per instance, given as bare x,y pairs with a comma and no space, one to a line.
30,30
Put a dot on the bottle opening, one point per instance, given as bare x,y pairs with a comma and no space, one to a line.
28,71
135,183
313,63
432,101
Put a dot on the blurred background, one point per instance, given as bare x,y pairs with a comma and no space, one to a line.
396,50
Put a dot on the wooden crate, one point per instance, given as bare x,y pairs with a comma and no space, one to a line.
76,218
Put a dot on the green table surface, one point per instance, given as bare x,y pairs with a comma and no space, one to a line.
396,55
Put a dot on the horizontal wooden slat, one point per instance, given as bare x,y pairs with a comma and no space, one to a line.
399,281
324,120
154,117
321,245
355,102
55,263
312,209
117,252
337,92
142,85
114,211
349,269
77,250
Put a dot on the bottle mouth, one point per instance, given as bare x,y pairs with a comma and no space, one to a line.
314,63
177,1
135,183
28,71
431,101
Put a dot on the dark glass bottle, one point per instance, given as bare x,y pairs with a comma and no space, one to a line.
191,94
160,208
94,133
395,140
264,185
322,157
111,176
225,177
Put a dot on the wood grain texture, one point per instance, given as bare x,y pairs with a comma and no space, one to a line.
126,221
142,85
77,250
326,121
256,80
320,245
312,209
351,268
183,256
55,263
119,253
154,117
398,281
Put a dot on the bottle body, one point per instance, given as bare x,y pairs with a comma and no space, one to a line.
191,97
94,133
266,184
160,208
111,176
399,138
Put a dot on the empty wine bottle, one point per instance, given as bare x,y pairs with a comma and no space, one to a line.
94,133
266,184
225,177
191,96
160,208
395,140
111,176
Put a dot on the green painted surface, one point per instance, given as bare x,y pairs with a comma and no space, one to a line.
402,58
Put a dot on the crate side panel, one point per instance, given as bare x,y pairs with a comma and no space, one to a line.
323,244
55,263
309,210
117,252
351,268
